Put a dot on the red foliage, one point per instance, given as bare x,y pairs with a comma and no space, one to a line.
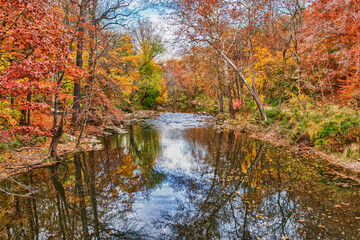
34,47
332,41
36,43
24,132
238,103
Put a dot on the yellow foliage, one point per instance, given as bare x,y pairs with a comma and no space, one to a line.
123,65
262,59
8,116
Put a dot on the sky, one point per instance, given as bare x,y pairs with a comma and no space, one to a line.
167,30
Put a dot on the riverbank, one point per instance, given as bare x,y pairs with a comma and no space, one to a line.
326,130
151,175
344,168
15,161
25,159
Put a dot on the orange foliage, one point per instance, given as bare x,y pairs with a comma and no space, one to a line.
332,44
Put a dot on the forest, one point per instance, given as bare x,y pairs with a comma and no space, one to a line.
179,119
287,66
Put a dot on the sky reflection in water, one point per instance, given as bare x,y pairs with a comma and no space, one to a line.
176,177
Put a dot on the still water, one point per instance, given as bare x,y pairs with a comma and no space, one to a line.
177,177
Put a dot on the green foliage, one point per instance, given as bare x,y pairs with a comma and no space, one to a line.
2,159
328,127
250,104
41,139
68,84
150,99
13,143
271,113
205,104
151,90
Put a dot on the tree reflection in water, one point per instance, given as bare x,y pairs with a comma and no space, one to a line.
85,197
250,190
235,188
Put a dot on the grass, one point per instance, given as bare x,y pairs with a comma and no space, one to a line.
328,127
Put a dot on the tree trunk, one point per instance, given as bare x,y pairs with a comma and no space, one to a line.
252,70
28,100
57,135
228,88
220,91
237,85
92,67
237,70
283,75
79,63
23,117
56,106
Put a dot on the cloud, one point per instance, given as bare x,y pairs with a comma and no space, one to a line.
166,29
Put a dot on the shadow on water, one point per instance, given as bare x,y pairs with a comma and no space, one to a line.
170,180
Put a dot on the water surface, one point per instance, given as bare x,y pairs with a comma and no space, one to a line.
177,177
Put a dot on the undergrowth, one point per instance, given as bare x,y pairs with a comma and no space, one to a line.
328,127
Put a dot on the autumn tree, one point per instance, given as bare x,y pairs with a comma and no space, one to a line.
150,85
33,48
331,47
210,22
193,79
278,39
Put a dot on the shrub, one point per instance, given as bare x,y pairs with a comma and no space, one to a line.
329,127
270,113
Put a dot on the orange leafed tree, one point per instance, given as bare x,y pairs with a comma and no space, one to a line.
332,42
33,47
213,23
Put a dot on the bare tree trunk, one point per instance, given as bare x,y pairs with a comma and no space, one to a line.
28,100
220,90
56,107
252,70
92,79
56,99
92,67
237,70
237,85
79,63
57,135
228,88
297,26
242,98
283,75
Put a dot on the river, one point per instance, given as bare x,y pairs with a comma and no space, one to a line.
177,176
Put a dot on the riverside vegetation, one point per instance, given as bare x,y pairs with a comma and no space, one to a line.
286,68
